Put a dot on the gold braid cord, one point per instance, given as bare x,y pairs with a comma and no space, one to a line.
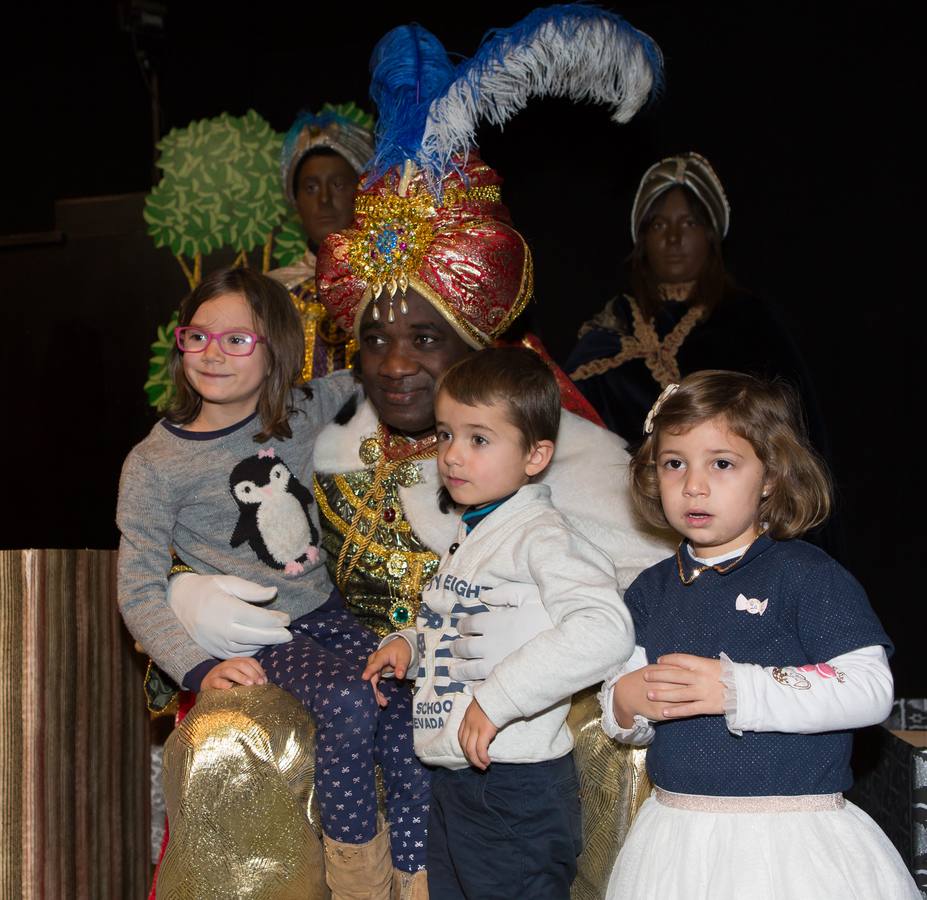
244,821
380,565
643,343
604,318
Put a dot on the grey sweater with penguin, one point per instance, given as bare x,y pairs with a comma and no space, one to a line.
229,506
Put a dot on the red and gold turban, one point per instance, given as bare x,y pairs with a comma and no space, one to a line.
460,253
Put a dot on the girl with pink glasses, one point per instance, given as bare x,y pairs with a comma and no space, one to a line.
225,480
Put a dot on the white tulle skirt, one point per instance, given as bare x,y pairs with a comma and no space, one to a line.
689,854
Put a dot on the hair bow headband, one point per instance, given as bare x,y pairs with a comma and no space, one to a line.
668,392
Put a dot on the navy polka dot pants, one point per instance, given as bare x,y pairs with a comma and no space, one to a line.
321,667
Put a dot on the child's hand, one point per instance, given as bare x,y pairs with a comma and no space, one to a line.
229,672
396,656
631,697
475,734
691,685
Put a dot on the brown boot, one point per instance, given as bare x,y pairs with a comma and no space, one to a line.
409,885
359,871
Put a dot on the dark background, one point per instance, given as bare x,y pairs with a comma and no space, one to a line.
806,113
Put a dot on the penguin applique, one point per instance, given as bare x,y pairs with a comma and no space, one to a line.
273,513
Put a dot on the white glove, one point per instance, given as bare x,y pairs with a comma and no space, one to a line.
489,637
216,612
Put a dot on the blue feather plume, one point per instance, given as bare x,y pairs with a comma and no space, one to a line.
409,68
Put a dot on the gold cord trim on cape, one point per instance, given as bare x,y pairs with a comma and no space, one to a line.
606,319
644,343
392,459
679,291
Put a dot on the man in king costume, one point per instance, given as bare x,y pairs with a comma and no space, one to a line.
430,270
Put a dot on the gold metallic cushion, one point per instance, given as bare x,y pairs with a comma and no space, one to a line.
238,783
248,827
613,784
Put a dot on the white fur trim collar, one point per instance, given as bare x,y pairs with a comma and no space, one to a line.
337,446
336,451
588,481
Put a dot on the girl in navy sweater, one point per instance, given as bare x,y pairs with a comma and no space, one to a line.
757,655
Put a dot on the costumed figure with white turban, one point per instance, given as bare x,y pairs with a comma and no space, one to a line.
430,270
683,312
321,160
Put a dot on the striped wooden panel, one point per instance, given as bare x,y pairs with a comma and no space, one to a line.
74,741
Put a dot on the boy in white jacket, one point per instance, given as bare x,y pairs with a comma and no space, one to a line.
505,823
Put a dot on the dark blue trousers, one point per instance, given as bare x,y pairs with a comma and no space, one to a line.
512,832
321,667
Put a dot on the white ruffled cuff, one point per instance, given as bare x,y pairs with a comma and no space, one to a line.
609,725
640,733
729,680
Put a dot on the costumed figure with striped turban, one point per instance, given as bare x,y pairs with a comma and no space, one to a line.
683,312
321,160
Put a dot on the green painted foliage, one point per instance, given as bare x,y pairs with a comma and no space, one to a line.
290,243
159,387
219,187
352,112
220,190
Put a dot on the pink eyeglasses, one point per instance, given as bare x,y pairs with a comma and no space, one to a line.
234,343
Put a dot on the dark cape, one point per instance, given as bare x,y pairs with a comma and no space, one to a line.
742,334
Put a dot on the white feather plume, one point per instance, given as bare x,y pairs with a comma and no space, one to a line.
597,58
